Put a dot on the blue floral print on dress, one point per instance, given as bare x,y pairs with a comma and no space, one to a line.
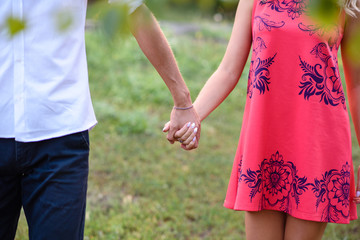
333,194
277,182
240,169
264,23
322,80
329,33
294,8
259,75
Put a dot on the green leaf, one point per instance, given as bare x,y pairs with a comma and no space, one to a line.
324,12
64,19
15,25
113,20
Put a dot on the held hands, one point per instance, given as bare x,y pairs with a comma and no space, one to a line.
357,195
184,126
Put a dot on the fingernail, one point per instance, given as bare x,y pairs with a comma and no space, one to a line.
164,129
194,139
357,194
188,125
195,130
193,125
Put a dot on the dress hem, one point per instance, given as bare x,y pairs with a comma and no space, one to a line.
299,214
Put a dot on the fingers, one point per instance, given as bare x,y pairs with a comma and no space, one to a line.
192,142
187,135
170,140
357,194
183,134
192,145
190,136
170,135
357,199
358,178
166,127
171,132
183,131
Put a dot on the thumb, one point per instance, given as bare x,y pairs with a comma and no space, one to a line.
358,183
166,127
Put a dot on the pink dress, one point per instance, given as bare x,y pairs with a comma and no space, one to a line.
294,153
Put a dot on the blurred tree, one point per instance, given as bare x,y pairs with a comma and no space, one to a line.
205,6
113,19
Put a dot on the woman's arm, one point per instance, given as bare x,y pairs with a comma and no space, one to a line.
352,76
225,78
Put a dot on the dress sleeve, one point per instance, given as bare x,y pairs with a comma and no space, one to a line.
133,4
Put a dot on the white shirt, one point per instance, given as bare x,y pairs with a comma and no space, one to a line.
44,91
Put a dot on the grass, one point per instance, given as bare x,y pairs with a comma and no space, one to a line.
141,187
162,191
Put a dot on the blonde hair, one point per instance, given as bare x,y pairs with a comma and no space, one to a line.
351,7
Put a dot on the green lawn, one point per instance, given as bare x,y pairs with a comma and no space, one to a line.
141,187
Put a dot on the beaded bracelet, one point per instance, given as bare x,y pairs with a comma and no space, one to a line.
183,108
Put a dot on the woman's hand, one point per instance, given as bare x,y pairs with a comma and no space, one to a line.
357,196
178,119
188,135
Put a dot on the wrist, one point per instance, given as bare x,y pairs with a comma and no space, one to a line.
182,99
200,113
183,108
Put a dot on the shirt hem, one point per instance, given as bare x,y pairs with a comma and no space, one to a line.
56,134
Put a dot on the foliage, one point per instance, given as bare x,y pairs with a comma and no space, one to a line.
202,5
324,11
114,19
15,25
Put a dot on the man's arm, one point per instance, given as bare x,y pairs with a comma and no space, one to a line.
153,43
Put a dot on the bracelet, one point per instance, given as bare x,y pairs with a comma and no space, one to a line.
183,108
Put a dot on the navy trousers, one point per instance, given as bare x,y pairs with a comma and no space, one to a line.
49,180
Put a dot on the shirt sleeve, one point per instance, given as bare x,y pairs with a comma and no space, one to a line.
133,4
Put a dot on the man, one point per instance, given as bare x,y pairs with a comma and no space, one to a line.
46,111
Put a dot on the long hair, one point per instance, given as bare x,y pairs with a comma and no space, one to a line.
351,7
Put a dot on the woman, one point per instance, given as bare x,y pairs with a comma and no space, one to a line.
293,169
